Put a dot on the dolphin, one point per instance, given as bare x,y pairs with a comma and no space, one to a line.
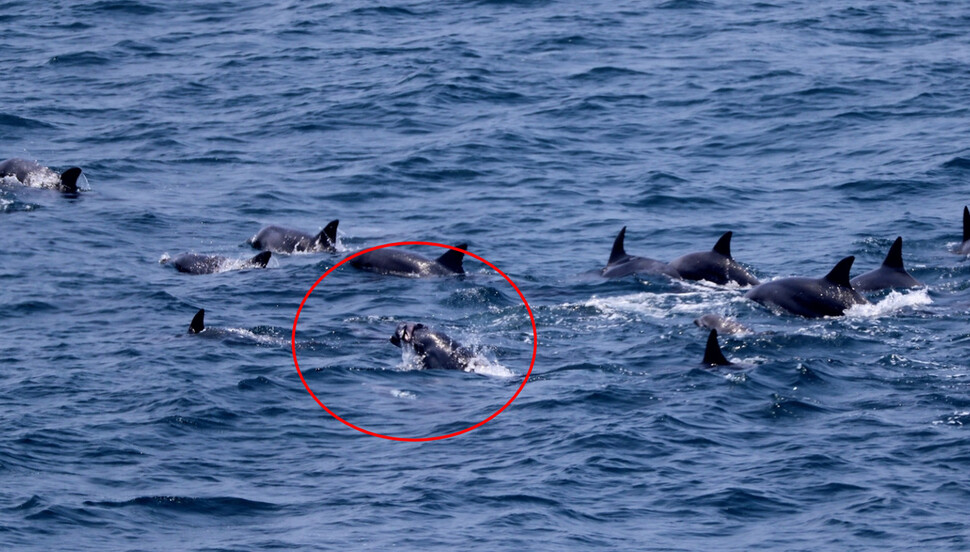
811,297
964,248
198,322
31,173
712,353
194,263
715,266
286,240
621,264
403,263
722,324
890,275
437,350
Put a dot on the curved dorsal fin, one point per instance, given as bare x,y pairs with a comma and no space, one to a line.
198,323
723,245
895,257
452,259
966,224
328,236
261,259
840,274
69,179
618,251
712,354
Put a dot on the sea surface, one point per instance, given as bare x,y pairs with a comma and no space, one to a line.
533,131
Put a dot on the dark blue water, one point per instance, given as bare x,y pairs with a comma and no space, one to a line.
533,131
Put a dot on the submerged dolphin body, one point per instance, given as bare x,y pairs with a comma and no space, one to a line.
811,297
194,263
722,324
890,275
286,240
621,264
403,263
437,350
31,173
715,266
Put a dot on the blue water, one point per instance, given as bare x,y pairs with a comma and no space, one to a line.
533,131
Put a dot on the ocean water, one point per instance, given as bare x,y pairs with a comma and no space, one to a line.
532,131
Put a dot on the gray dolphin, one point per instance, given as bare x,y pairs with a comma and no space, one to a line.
403,263
715,266
437,350
31,173
194,263
890,275
712,352
621,264
964,248
811,297
722,324
286,240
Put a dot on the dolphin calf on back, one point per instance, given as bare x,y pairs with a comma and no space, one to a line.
811,297
194,263
287,240
621,264
437,350
890,275
389,260
715,266
31,173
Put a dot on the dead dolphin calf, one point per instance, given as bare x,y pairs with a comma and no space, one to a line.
194,263
890,275
398,262
722,324
35,175
716,266
621,264
436,350
286,240
811,297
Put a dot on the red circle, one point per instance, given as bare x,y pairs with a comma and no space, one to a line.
535,344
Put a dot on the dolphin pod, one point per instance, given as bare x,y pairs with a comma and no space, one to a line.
716,266
33,174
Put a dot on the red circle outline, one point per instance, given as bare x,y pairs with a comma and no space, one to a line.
525,379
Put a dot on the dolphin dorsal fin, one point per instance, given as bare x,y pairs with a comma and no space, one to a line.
452,259
69,179
198,322
261,259
839,275
328,236
712,354
618,251
966,224
894,259
723,245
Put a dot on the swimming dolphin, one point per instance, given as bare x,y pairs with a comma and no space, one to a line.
621,264
437,350
722,324
964,248
286,240
194,263
403,263
31,173
890,275
811,297
715,266
712,353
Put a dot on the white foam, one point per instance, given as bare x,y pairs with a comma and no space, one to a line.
892,303
401,394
